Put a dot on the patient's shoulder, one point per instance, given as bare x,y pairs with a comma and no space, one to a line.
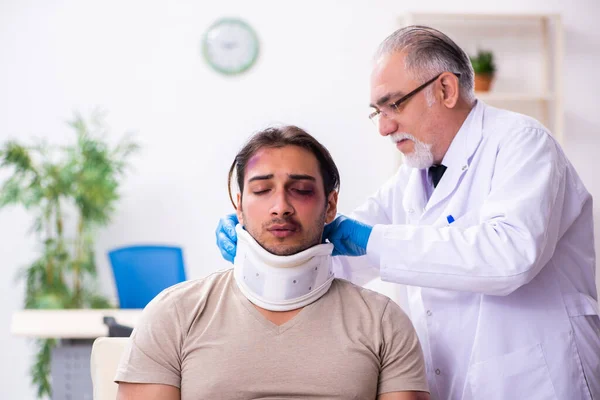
191,294
350,289
363,298
217,280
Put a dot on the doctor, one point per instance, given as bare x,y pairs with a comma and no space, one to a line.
488,224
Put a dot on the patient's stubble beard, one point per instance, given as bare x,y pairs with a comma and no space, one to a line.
311,236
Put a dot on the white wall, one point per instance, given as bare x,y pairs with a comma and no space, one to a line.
142,63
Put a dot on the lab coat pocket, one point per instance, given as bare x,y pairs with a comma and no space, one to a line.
522,374
463,221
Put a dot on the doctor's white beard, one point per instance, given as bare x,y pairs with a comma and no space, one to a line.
421,156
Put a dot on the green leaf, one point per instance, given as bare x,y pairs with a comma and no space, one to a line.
11,191
50,301
98,301
40,370
483,62
17,156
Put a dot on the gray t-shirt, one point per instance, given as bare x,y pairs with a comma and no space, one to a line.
207,339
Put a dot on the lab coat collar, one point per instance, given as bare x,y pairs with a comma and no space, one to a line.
459,154
415,203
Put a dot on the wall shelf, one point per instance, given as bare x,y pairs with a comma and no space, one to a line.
489,97
528,50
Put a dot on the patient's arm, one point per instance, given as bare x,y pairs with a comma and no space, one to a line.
404,396
150,368
402,372
151,391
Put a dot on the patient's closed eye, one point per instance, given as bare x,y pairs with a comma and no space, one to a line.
303,192
260,189
302,188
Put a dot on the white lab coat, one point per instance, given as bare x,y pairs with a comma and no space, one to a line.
504,298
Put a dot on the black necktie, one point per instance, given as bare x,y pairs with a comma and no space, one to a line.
437,171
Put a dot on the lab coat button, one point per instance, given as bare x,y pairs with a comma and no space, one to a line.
410,210
437,372
429,313
464,167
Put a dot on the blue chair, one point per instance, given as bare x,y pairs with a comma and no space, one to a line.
142,272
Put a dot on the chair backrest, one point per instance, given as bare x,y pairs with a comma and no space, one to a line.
142,272
106,354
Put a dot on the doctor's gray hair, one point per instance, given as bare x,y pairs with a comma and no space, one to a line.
430,52
277,137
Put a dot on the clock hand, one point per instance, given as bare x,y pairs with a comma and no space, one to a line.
229,45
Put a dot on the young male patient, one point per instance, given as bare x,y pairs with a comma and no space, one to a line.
278,325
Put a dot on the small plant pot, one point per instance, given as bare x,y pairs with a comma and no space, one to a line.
483,82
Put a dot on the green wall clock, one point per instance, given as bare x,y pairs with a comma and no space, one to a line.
230,46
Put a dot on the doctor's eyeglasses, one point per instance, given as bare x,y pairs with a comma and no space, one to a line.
394,108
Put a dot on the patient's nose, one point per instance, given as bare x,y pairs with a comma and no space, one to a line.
281,204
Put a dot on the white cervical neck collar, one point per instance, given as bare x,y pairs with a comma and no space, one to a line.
281,283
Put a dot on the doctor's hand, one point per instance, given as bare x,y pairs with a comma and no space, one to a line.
348,236
226,236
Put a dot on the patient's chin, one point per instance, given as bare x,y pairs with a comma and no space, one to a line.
285,249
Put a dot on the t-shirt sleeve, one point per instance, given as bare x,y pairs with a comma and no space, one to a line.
402,362
153,353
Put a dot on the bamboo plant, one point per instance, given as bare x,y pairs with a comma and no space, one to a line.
62,186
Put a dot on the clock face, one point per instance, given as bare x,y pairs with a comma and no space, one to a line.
230,46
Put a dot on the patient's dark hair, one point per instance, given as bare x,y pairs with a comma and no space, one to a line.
277,137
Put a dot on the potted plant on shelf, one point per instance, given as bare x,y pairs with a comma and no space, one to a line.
484,68
80,181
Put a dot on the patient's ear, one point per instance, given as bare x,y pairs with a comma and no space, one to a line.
238,210
331,211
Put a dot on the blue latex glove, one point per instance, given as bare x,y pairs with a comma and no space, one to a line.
348,236
226,236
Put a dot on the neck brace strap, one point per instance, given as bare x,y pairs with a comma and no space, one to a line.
281,283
